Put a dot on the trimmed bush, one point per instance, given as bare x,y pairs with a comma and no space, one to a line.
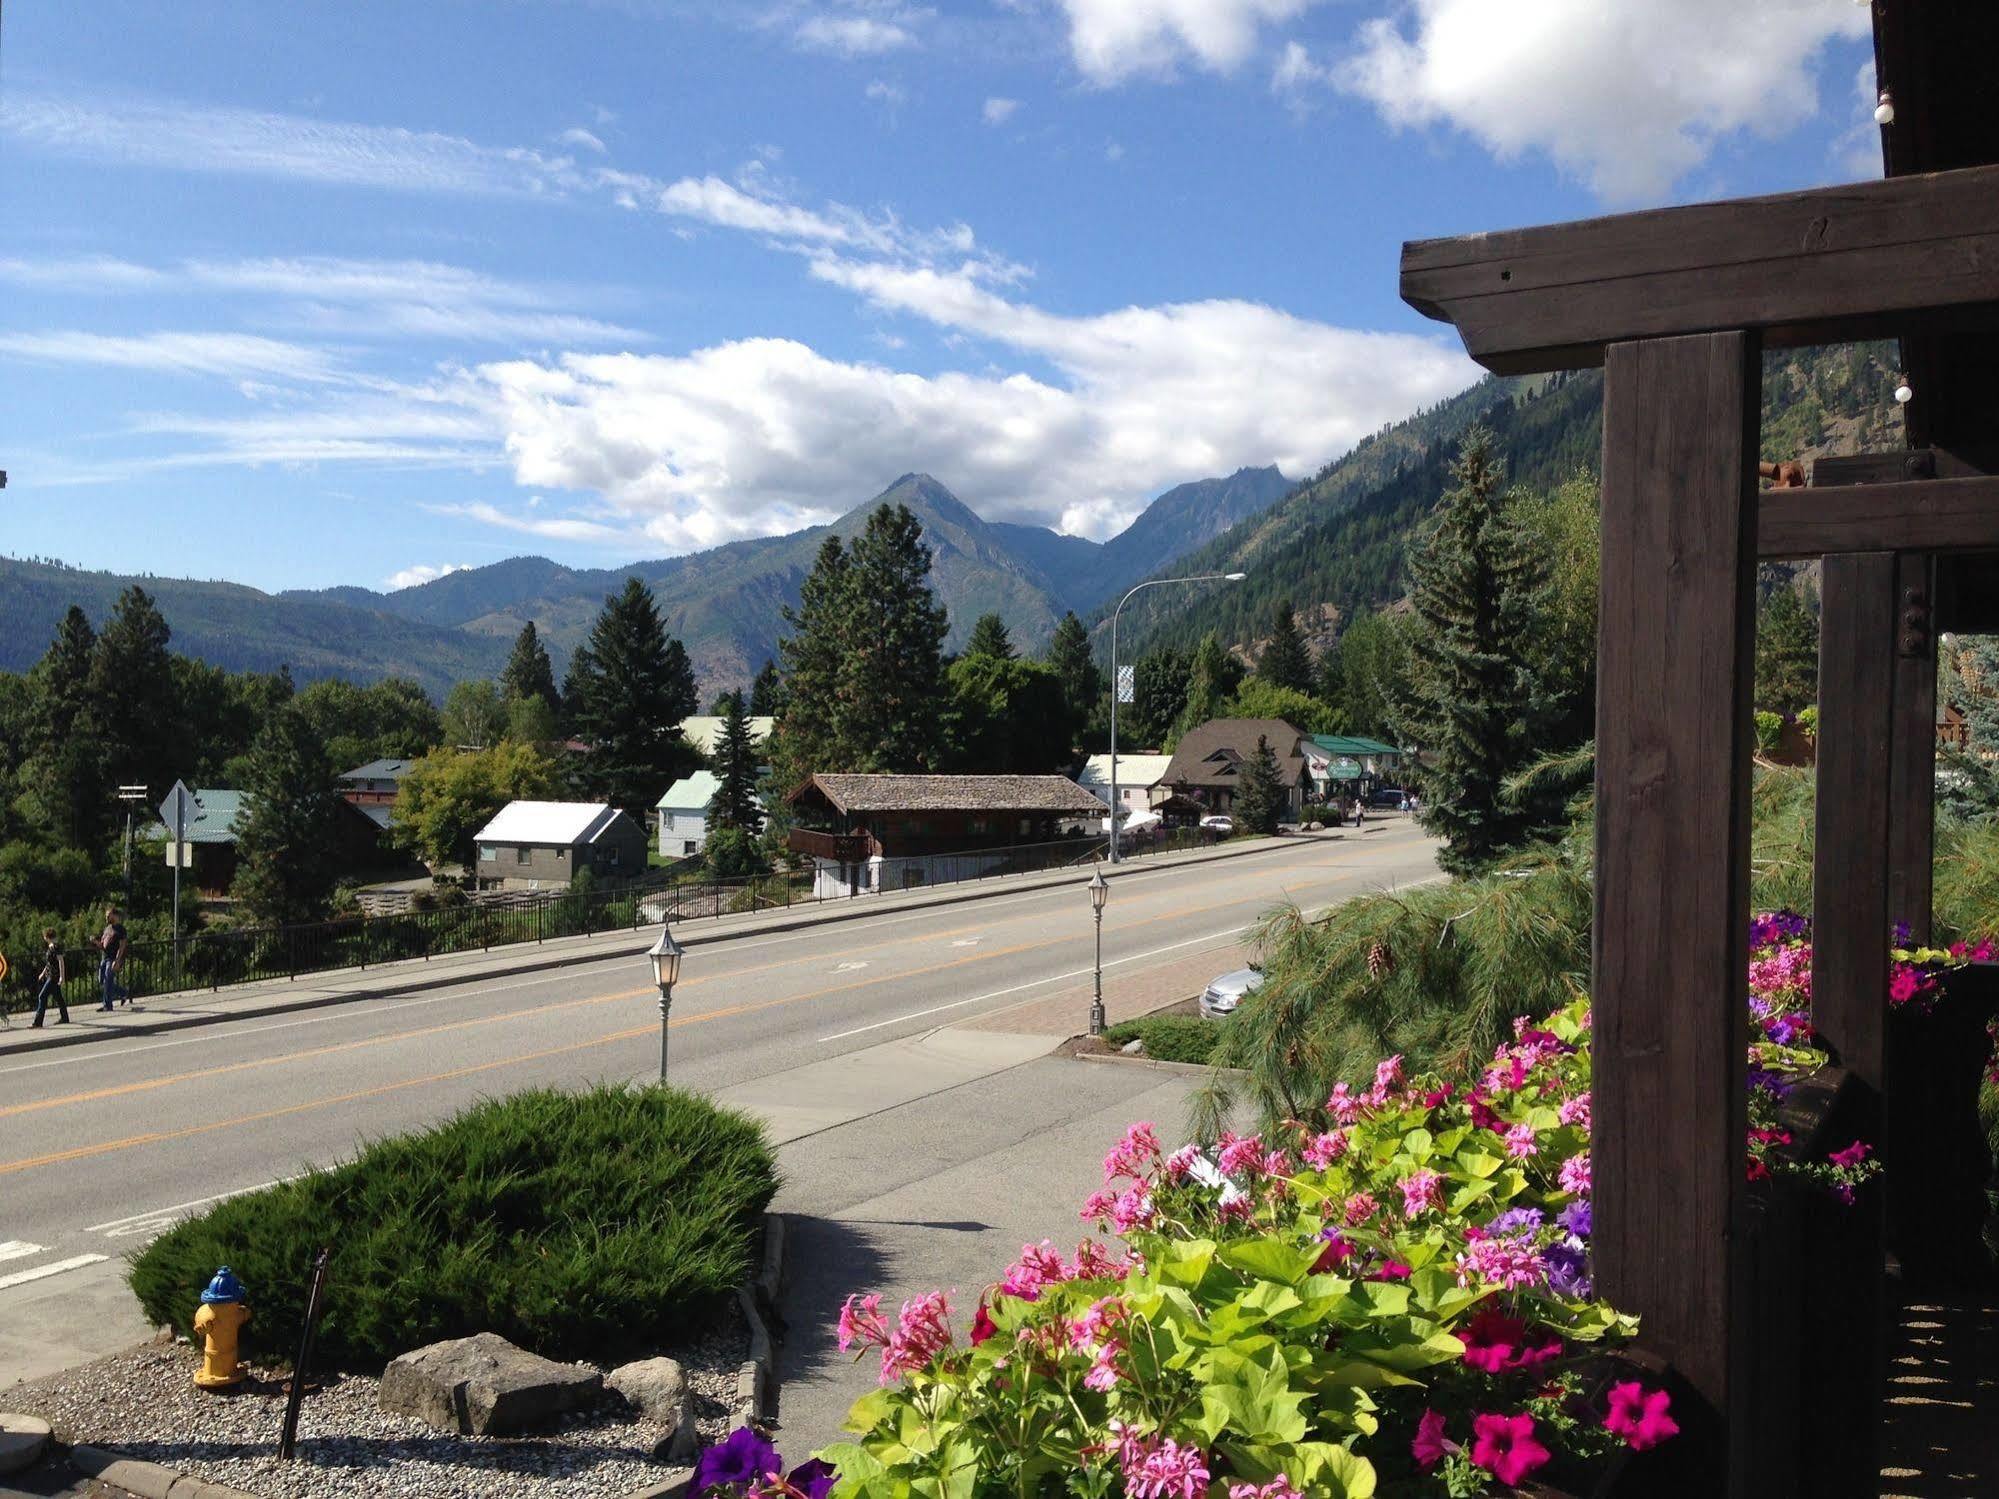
579,1225
1170,1038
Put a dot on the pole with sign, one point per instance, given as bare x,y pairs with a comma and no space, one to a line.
179,809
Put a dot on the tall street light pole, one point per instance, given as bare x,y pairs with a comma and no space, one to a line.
665,957
1152,583
1100,892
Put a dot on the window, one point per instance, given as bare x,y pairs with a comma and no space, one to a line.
689,846
523,854
616,856
488,853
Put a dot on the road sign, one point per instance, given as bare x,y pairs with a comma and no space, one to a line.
1127,686
180,811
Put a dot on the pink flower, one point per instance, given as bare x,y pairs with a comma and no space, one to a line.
1240,1154
1336,1253
862,1324
1325,1149
1095,1261
1132,1211
1506,1263
1103,1375
1361,1207
1495,1342
1640,1416
1430,1446
1132,1156
1392,1270
1575,1110
1181,1162
1505,1447
1275,1163
1387,1074
1038,1266
1421,1190
1096,1324
1482,1116
1277,1488
1156,1469
1574,1175
1853,1155
1342,1105
1097,1206
982,1324
1520,1142
1902,985
922,1331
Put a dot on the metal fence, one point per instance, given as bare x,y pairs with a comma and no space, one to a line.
212,957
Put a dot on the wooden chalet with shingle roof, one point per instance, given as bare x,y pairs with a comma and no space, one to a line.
1208,762
895,832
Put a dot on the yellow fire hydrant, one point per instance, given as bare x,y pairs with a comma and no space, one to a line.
217,1324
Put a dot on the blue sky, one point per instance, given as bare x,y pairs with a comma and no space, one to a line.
349,293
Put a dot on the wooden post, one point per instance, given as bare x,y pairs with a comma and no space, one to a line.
1912,758
1676,638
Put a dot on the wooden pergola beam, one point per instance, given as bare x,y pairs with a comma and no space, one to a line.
1831,265
1916,515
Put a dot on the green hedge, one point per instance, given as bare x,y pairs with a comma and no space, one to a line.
1170,1038
579,1225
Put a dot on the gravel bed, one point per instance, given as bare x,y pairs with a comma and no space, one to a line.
143,1403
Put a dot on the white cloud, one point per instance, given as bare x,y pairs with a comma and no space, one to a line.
1858,150
550,529
1296,70
231,354
91,273
999,111
1113,152
1627,97
852,36
1114,39
886,94
422,572
583,139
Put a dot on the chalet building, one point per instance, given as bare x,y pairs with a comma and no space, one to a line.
1140,781
543,845
879,833
1208,763
372,789
704,732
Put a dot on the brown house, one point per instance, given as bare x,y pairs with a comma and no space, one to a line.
543,845
1208,762
866,832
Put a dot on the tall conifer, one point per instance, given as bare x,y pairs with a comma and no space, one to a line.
1286,661
630,686
284,848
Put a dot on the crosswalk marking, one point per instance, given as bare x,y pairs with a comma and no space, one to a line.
42,1272
18,1249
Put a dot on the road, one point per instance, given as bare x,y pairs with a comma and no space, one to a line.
103,1145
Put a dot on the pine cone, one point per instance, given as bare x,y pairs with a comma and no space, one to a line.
1380,961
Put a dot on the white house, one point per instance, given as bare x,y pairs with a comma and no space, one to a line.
683,814
1139,780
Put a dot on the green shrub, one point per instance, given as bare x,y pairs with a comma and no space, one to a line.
1170,1038
589,1225
1769,731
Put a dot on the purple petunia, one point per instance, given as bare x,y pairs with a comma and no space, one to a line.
1576,1218
1515,1221
742,1462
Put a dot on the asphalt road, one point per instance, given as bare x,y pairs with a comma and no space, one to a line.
103,1145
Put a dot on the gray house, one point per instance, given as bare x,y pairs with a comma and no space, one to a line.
542,845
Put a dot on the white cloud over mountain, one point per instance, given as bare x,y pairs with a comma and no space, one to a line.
422,572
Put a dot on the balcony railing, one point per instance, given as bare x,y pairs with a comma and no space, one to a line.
841,848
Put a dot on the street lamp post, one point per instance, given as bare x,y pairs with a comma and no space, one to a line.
665,957
1100,892
1152,583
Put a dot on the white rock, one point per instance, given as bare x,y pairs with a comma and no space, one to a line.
485,1386
23,1440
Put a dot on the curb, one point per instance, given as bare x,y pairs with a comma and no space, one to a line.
1119,1059
756,1380
980,890
146,1480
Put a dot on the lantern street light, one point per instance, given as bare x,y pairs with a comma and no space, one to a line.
665,957
1100,891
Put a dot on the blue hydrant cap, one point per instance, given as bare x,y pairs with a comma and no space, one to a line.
225,1287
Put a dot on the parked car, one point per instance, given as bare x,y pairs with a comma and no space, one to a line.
1218,822
1389,796
1219,999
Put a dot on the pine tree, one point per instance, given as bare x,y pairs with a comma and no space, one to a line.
1074,663
735,762
1787,653
1159,692
1259,798
1211,682
285,870
131,694
66,773
630,686
765,691
1470,694
990,638
529,672
891,677
806,737
1286,661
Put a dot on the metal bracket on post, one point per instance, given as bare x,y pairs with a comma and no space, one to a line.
1913,639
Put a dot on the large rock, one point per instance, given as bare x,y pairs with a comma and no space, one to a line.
23,1440
657,1388
485,1386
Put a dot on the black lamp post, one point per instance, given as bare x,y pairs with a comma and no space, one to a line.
665,957
1100,891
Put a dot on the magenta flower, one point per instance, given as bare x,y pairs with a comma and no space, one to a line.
1575,1110
1325,1149
1132,1210
1853,1155
1342,1105
1095,1261
1496,1343
982,1324
1640,1416
1277,1488
1103,1375
1508,1264
1421,1191
1430,1446
1134,1155
1520,1142
1387,1074
1181,1162
1038,1266
1574,1175
1160,1469
1505,1446
1361,1207
1240,1154
922,1331
862,1324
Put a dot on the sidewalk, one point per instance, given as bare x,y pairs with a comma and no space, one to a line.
171,1012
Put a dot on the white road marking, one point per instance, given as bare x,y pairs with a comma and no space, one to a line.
115,1226
849,967
968,942
43,1272
19,1249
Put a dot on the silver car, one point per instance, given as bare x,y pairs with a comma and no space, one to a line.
1219,999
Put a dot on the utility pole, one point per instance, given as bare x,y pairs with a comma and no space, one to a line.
130,796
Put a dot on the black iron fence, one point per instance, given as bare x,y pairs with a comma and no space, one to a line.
214,956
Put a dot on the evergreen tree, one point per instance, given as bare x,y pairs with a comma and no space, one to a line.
1075,665
1211,682
891,677
1259,798
765,692
1286,661
1470,695
529,672
806,737
1787,653
131,694
1159,691
1371,661
735,762
990,638
1009,717
630,687
727,698
284,848
66,774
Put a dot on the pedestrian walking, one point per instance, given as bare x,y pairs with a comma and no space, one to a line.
51,974
112,946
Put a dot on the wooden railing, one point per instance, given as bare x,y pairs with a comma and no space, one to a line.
842,848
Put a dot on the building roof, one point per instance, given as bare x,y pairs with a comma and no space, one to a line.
704,731
557,824
690,794
378,770
1352,744
1212,753
1132,770
858,793
377,813
221,812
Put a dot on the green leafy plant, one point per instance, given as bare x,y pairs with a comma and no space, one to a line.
1169,1038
